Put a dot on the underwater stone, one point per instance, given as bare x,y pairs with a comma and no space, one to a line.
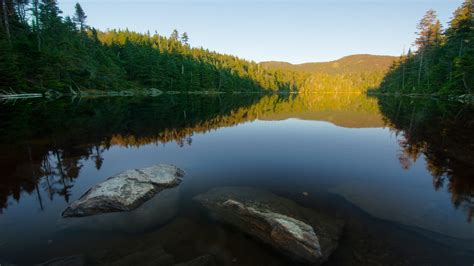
125,191
302,234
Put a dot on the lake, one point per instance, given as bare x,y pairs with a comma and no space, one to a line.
398,171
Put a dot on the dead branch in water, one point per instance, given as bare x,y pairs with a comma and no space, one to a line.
6,95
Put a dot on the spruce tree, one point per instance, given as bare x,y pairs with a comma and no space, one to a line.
185,38
174,35
80,17
429,30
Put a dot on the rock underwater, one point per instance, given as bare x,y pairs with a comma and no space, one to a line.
300,233
158,210
125,191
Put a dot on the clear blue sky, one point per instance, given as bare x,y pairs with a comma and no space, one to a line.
286,30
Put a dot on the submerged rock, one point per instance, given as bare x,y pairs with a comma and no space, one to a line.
158,210
125,191
205,260
77,260
155,256
303,234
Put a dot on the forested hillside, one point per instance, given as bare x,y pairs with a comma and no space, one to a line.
354,73
349,64
40,50
444,60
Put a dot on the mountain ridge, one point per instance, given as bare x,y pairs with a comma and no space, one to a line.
357,63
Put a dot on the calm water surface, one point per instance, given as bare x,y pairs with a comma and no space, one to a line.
399,171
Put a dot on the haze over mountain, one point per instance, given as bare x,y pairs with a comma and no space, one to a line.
359,63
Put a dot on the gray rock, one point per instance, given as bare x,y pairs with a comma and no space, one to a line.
303,234
125,191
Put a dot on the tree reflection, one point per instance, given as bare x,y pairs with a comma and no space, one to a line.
56,138
442,132
44,145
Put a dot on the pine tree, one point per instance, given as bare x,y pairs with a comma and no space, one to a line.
36,23
185,38
80,17
9,73
6,24
460,39
429,30
174,35
444,62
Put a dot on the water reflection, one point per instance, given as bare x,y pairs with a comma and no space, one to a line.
44,145
442,132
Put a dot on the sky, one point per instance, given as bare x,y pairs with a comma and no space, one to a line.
295,31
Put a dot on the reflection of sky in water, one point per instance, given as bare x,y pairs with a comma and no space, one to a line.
359,164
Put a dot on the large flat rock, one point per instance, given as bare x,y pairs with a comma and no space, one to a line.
125,191
302,234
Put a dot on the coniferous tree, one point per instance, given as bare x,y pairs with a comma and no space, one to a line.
444,60
185,38
80,17
429,30
174,35
6,24
47,52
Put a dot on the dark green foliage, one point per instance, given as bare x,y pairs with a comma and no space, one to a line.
80,17
9,72
444,61
48,51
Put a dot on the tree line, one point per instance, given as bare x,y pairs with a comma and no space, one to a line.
443,62
41,50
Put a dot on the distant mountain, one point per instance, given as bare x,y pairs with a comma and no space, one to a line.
350,64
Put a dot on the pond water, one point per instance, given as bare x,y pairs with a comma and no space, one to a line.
398,171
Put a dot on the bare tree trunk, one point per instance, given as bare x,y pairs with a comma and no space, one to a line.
20,10
403,72
398,110
419,71
411,119
465,83
403,78
220,81
36,14
5,20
